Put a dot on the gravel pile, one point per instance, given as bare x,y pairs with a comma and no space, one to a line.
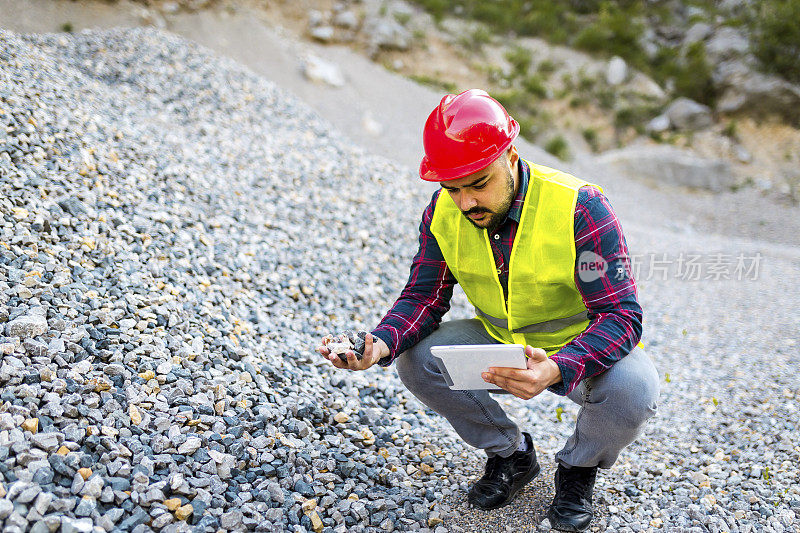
176,237
177,234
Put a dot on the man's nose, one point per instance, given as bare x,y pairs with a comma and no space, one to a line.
466,202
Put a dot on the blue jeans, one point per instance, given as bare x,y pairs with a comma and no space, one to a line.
614,405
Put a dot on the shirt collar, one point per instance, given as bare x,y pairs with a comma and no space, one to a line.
515,211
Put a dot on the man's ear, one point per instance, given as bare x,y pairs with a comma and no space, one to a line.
513,156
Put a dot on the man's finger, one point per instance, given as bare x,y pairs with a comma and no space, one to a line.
535,355
334,359
514,387
517,374
352,360
496,379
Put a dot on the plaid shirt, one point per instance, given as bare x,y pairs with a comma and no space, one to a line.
614,311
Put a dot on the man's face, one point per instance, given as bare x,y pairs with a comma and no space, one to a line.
486,196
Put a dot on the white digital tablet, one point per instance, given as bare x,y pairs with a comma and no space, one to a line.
463,364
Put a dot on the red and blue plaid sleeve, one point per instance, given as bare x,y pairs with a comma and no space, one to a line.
611,298
425,298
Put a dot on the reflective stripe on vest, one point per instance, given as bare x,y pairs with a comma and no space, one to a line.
544,307
549,326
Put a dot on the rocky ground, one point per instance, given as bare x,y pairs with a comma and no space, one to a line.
177,235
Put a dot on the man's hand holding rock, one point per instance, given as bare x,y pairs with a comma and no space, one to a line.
374,350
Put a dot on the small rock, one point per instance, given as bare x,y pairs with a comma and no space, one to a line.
73,206
6,508
183,512
322,33
320,71
316,522
31,424
26,326
616,71
45,441
231,519
76,525
191,445
172,504
93,487
136,417
346,19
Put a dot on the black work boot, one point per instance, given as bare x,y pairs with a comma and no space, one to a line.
571,509
504,477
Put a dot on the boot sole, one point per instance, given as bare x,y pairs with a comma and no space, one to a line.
569,528
516,488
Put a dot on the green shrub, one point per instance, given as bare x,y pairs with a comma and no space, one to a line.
694,79
520,59
577,101
545,68
534,86
67,27
590,136
514,100
402,18
615,32
430,81
567,80
476,39
689,71
558,147
776,37
552,20
635,116
437,8
586,83
730,130
493,72
481,35
528,128
605,98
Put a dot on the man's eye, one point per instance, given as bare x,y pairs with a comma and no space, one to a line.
479,186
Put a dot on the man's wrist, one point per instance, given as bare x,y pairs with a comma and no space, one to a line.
386,337
555,371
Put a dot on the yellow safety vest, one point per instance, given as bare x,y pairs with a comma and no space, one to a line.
544,307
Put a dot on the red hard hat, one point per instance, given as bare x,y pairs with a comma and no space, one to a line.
464,134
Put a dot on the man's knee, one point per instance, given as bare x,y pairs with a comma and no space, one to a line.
630,391
417,367
413,367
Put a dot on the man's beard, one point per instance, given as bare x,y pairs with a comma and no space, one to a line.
496,217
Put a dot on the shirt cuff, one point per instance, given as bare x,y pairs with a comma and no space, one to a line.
386,337
566,384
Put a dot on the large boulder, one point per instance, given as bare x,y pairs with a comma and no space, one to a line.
697,32
667,164
686,114
726,43
745,90
347,19
386,33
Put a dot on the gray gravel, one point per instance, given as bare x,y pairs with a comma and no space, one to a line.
177,234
